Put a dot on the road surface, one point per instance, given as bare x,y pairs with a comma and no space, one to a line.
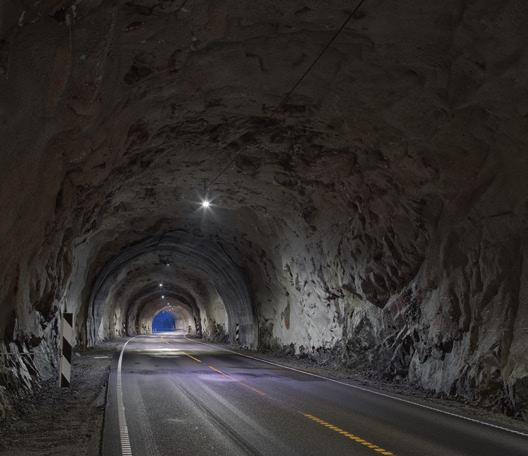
172,396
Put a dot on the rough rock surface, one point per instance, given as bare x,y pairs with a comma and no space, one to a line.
55,422
377,216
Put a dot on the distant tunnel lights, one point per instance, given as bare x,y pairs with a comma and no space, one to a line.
206,204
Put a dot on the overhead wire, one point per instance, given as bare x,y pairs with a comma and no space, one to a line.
321,53
224,169
299,81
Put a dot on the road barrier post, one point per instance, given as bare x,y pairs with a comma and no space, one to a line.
66,350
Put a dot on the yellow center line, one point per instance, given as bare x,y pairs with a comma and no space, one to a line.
192,357
218,371
349,435
317,420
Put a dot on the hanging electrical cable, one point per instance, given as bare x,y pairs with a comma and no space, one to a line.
206,203
207,185
323,51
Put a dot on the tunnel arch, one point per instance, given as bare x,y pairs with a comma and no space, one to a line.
182,317
388,193
172,293
164,321
196,265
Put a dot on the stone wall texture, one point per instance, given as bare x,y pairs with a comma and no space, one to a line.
377,217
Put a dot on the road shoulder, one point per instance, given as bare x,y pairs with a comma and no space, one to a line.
56,421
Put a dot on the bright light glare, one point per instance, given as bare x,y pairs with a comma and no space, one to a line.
163,297
160,284
206,204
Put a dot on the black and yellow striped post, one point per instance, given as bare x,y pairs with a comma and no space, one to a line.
66,349
237,334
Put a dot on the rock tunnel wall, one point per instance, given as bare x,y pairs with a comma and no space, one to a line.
377,217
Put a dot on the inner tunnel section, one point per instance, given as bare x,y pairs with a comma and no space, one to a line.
164,321
191,278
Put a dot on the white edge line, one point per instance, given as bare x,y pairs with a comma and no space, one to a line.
126,449
377,393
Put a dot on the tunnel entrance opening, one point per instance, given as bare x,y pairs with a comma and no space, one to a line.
164,321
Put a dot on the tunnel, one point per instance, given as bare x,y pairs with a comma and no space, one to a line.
193,270
335,190
165,321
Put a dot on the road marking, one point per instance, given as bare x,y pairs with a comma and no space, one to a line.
317,420
252,388
126,450
349,435
192,357
217,370
367,390
326,424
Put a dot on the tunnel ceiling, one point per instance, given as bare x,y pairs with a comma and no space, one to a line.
381,203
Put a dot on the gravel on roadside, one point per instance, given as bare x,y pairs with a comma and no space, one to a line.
55,421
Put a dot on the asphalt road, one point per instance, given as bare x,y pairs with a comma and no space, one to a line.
173,396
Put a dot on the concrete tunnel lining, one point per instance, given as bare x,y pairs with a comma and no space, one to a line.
148,295
201,259
182,316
